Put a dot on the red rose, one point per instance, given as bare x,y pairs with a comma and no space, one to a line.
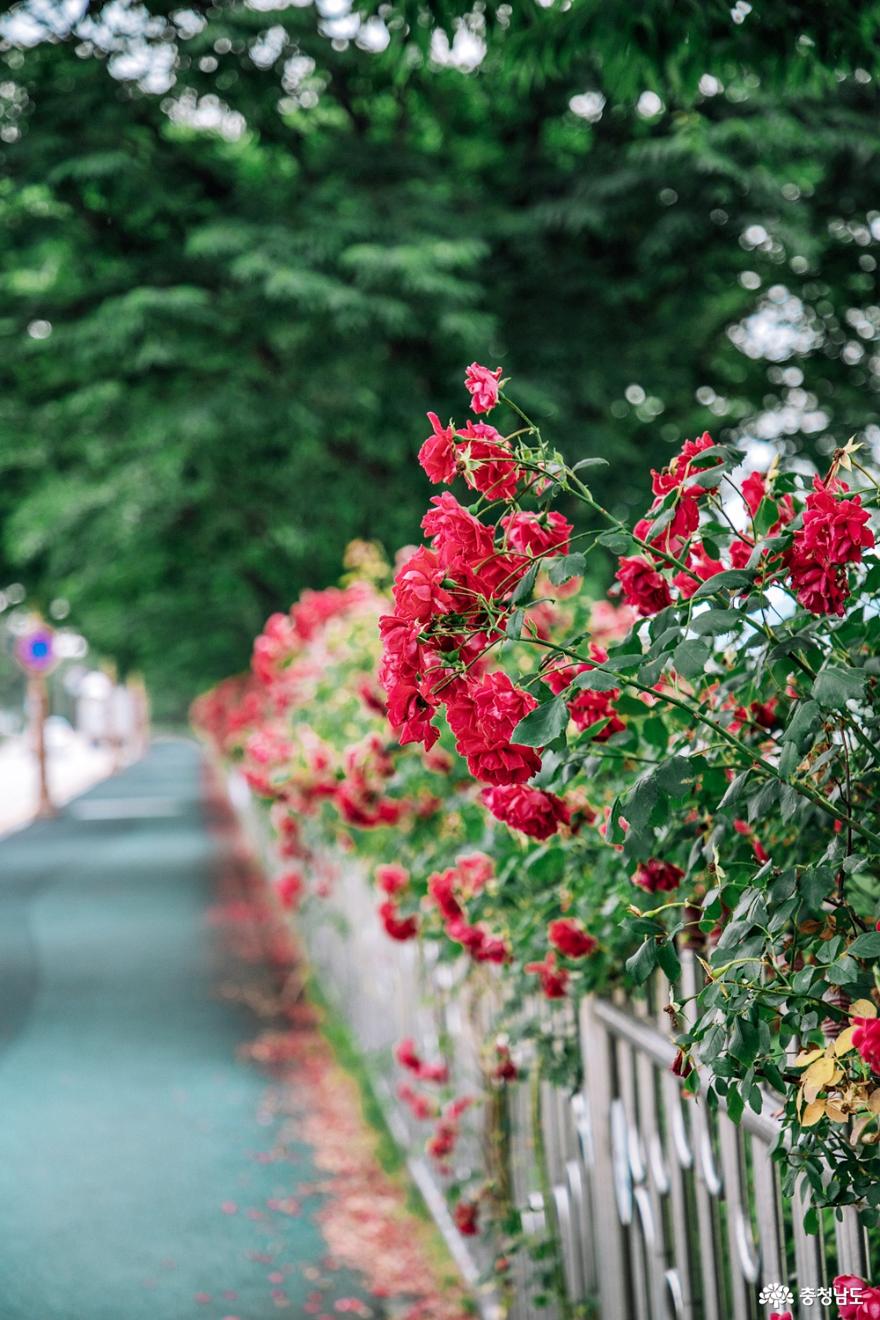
483,715
587,707
834,533
487,463
459,538
866,1039
679,470
834,530
466,1215
643,587
410,714
399,928
554,980
482,384
505,1069
290,888
702,567
441,888
476,870
529,810
417,590
570,938
437,455
392,878
538,533
401,651
656,876
422,1107
850,1286
869,1305
406,1054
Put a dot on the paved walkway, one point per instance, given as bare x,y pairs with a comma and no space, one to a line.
138,1154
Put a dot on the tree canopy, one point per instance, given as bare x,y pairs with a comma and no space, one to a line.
245,244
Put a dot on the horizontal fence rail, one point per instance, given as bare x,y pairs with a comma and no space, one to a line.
661,1210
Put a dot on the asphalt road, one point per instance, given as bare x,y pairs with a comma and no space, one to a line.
132,1183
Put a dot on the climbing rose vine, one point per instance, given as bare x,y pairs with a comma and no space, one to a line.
671,789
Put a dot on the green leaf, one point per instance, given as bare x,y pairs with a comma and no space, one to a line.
767,515
642,963
631,660
866,946
711,477
668,960
735,789
732,579
835,686
595,680
542,724
514,625
745,1043
805,720
526,585
690,657
814,887
735,1104
566,567
589,463
716,621
616,541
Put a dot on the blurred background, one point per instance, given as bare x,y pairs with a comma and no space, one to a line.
246,244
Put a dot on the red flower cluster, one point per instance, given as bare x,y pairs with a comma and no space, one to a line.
642,583
448,889
274,647
397,927
442,1142
477,452
290,888
392,878
866,1039
467,1218
569,937
230,709
268,753
505,1069
834,534
554,980
361,797
657,877
587,708
444,598
421,1106
408,1057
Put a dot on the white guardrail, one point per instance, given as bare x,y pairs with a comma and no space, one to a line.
661,1209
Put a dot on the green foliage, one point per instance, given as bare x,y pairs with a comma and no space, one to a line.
260,248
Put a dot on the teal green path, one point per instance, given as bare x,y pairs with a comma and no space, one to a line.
131,1179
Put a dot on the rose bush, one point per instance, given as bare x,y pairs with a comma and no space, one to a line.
571,794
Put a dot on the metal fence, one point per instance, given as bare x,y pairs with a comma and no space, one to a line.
660,1209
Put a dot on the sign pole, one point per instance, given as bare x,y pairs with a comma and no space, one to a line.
38,694
35,651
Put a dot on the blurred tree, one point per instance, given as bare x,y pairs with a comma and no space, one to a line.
246,244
